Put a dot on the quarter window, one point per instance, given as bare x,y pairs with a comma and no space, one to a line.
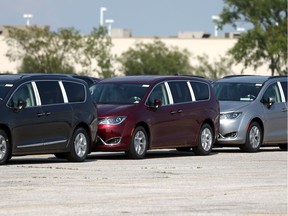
272,92
201,90
158,93
23,93
180,91
75,92
50,92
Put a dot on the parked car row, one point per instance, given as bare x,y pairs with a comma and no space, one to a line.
71,116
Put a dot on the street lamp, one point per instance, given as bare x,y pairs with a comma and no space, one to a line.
102,9
28,17
109,22
215,20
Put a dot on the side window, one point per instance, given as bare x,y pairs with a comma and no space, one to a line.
285,90
273,92
201,90
180,91
50,92
75,91
25,93
160,93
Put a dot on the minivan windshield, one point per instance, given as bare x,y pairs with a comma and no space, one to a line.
118,93
245,92
4,89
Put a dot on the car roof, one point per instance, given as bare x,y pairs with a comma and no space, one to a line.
148,79
15,78
246,79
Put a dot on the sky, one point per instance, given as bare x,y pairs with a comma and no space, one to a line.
143,17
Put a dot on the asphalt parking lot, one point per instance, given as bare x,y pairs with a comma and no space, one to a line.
227,182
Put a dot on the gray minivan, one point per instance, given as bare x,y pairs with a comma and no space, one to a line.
253,111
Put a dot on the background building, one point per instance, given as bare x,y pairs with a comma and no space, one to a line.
197,43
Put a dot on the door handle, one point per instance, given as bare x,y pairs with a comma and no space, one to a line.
180,111
48,113
173,112
284,110
40,114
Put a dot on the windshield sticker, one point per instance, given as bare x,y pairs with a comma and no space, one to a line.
146,86
258,84
8,85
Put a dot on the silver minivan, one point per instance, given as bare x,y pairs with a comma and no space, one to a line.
253,111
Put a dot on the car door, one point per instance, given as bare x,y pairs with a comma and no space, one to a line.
172,128
161,120
275,123
56,115
27,131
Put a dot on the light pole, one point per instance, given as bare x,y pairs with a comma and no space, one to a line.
109,22
102,9
215,20
28,17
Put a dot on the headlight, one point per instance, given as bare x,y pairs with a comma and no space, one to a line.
232,115
112,120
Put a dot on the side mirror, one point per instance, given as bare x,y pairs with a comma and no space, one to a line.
21,104
157,103
268,102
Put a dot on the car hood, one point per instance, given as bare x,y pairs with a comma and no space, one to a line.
115,109
231,106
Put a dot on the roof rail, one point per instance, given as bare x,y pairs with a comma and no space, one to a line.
282,76
242,75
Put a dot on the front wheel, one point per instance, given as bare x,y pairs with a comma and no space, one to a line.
254,138
5,148
79,146
139,144
205,141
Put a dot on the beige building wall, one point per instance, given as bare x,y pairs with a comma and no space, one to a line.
213,47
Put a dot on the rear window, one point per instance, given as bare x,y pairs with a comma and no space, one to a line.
180,91
201,90
75,91
50,92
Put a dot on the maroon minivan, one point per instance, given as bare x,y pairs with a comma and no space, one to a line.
138,113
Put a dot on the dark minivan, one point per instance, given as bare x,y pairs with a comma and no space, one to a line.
46,114
137,113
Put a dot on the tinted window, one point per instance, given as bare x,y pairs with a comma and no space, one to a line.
118,93
4,89
159,93
272,92
25,93
237,91
50,92
180,91
201,90
75,91
285,90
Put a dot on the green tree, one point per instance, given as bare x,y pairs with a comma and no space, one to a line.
97,55
155,59
215,70
43,51
266,41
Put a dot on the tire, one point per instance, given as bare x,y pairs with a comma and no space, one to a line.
139,144
205,140
79,146
254,138
5,148
283,146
